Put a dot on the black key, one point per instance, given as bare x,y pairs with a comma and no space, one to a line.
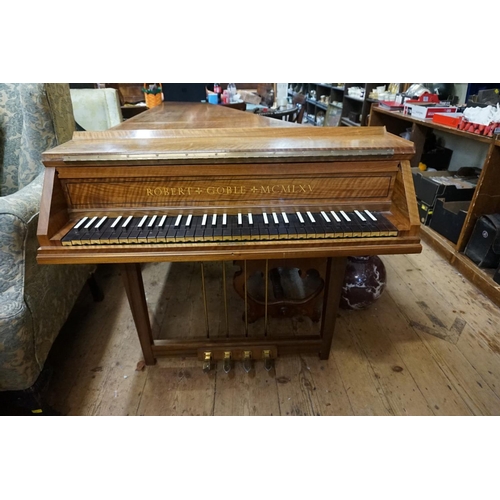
136,229
154,228
110,231
100,229
130,231
199,230
337,223
88,231
144,230
75,232
114,230
354,224
366,225
263,228
300,228
189,235
273,227
162,236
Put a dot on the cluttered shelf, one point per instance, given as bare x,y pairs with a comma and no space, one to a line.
457,206
428,122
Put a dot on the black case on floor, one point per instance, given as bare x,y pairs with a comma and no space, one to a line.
483,247
496,276
448,218
424,212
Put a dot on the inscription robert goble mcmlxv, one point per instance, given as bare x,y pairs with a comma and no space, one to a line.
230,190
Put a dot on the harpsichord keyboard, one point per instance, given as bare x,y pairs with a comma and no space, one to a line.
171,228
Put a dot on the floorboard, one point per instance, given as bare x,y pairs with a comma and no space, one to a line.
429,346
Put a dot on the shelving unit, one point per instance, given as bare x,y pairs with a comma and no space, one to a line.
486,198
355,110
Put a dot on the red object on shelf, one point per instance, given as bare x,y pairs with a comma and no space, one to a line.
425,97
391,105
475,128
426,111
449,119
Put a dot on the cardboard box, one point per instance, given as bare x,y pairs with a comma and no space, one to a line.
448,218
250,97
430,185
449,119
418,111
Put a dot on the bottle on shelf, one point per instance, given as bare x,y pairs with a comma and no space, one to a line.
231,90
218,91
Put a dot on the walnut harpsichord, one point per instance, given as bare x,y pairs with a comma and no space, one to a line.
146,195
197,182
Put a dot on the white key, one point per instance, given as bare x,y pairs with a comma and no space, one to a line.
346,217
224,219
266,220
162,221
250,219
372,217
188,222
285,218
152,221
325,216
125,224
178,221
275,217
143,220
204,220
90,222
77,226
358,213
214,219
240,220
116,221
99,224
335,216
310,215
301,219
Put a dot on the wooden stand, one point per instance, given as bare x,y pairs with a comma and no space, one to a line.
319,344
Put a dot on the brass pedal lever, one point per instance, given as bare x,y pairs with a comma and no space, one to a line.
226,363
268,361
247,361
207,361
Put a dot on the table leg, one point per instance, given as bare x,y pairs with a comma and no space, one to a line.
335,273
134,286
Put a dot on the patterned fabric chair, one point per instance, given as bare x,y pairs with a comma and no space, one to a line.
35,300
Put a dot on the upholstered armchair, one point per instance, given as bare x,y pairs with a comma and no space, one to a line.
35,300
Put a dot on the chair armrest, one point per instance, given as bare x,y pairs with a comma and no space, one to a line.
24,203
16,211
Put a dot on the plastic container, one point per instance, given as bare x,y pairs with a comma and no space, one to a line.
231,90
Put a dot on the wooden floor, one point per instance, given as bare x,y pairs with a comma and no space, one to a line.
429,346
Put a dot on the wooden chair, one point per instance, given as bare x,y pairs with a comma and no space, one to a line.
299,100
294,114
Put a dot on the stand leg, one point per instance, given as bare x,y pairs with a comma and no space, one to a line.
335,272
134,286
95,289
